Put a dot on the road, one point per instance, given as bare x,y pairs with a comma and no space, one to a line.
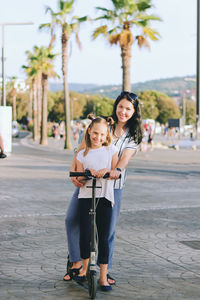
157,252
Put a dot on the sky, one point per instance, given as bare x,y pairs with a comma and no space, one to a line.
98,62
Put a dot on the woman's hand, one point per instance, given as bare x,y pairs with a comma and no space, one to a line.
101,173
114,174
76,182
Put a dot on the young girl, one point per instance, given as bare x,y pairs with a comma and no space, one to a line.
99,156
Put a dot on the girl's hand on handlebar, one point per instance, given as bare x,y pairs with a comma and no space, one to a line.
93,172
114,174
101,173
76,182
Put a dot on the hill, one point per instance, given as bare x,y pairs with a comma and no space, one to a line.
171,86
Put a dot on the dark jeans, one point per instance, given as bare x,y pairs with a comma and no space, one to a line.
103,220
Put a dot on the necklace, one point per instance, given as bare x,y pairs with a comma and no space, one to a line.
117,135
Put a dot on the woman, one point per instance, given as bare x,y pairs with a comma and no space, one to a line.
126,134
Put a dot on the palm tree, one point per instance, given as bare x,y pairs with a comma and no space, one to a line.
30,102
32,73
33,91
45,59
130,22
13,92
35,60
68,27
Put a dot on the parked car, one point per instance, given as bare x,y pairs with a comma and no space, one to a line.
15,130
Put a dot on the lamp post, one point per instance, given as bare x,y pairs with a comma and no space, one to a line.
3,57
198,68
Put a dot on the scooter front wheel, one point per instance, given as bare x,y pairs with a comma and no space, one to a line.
69,264
92,284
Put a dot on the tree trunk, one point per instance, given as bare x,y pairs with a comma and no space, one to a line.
14,108
30,104
126,66
67,144
14,97
39,103
35,131
44,140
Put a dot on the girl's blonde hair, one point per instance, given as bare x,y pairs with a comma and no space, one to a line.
98,120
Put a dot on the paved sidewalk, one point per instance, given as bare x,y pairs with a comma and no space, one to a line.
157,251
176,143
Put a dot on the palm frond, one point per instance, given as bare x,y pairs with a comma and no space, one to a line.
109,14
144,5
49,9
125,5
113,30
142,41
151,33
82,19
118,4
78,41
66,6
104,17
74,27
102,8
25,67
114,38
100,30
146,17
45,25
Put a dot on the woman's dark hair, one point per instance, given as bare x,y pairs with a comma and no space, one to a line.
134,124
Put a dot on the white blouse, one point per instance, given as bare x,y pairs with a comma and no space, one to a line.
123,143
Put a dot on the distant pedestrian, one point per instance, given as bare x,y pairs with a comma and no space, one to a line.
75,131
55,131
150,136
82,131
62,129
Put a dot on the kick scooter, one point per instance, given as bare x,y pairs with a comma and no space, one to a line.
92,270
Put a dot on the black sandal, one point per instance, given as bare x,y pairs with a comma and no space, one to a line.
111,278
72,273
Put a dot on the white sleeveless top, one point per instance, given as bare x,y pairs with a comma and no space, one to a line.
98,159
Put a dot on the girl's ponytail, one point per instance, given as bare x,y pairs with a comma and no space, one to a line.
110,121
91,116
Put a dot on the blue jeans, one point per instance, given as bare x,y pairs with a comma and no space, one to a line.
73,227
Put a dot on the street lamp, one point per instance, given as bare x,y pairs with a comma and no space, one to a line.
3,57
198,68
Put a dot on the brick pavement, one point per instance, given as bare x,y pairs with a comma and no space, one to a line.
160,210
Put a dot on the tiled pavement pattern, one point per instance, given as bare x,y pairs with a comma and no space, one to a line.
161,209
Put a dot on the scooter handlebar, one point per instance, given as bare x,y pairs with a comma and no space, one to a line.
87,174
